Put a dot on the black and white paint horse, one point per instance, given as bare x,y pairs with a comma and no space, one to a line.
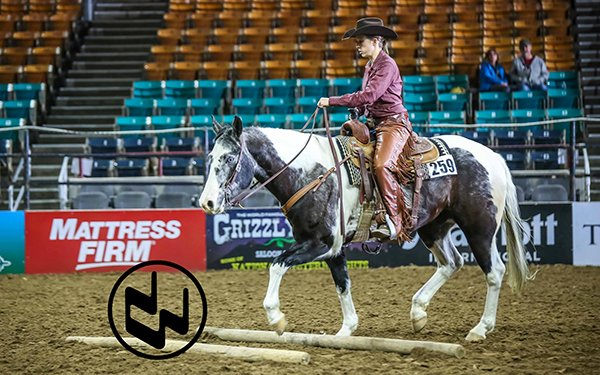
477,199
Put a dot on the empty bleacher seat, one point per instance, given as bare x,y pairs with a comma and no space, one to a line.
167,122
448,82
11,135
298,120
180,89
563,98
342,86
528,115
148,89
494,100
26,109
132,167
181,144
147,144
91,201
544,137
6,91
281,87
492,117
136,123
173,200
132,199
205,106
313,87
279,105
482,137
140,106
447,117
420,102
29,91
102,167
529,99
547,159
308,104
271,120
103,146
418,118
563,80
454,102
515,159
172,107
419,84
176,166
213,89
510,137
246,106
251,89
338,119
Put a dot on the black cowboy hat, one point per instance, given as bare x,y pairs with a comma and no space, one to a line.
370,26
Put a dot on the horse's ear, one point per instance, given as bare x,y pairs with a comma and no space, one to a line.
237,126
217,128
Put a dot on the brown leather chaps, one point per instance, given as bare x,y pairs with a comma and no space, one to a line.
395,141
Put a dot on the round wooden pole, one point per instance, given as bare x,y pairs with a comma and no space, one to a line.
239,352
338,342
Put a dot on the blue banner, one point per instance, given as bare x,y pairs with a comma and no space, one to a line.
12,242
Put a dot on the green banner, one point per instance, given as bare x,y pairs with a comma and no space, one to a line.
12,242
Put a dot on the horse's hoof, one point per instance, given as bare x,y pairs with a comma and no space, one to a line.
474,337
419,324
280,326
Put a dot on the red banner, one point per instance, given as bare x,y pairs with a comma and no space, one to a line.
102,241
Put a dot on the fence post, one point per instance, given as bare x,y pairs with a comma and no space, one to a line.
27,177
573,150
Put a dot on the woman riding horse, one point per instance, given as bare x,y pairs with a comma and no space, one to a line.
380,100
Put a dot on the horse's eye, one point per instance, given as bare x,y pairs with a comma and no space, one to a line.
229,160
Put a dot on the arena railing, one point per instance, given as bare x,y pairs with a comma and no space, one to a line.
64,180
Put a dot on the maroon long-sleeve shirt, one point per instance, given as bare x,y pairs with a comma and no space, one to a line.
381,93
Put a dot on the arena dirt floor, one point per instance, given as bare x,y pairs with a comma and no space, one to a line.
553,328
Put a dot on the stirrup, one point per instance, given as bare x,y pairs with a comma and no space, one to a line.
381,233
392,227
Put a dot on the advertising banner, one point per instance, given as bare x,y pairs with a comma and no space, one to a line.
251,239
111,240
12,242
586,233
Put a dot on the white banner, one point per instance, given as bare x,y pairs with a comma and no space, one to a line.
586,233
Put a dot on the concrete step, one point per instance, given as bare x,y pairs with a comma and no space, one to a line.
39,204
130,1
134,74
38,170
109,48
106,23
113,110
107,65
65,100
62,138
112,56
81,119
115,31
109,81
131,7
127,39
43,193
96,91
127,15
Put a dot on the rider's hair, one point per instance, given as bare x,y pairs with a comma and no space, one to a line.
382,43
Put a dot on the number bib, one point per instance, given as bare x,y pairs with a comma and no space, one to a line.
443,166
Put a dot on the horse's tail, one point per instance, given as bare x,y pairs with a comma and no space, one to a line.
518,272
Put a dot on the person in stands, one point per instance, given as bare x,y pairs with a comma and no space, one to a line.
528,72
380,101
491,73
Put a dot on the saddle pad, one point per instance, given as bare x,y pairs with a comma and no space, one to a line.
441,166
353,171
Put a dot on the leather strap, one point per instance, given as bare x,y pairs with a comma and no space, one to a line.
314,185
339,175
365,177
420,171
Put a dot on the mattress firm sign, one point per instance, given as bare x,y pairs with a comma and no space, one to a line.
251,239
586,234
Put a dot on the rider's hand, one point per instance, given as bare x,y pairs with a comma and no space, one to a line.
323,102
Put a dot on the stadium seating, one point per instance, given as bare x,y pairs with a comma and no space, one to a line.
176,166
420,102
103,146
448,82
419,84
181,144
250,89
549,193
494,100
279,105
140,107
482,137
205,106
455,102
528,115
148,89
147,144
515,159
180,89
563,98
135,123
510,137
529,99
492,117
271,120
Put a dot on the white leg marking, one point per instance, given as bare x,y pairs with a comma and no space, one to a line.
350,318
271,302
443,252
494,281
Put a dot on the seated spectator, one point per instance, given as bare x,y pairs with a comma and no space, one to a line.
528,72
491,73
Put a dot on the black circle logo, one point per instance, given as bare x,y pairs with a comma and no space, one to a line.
148,304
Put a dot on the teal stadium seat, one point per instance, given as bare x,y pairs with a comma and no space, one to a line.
528,115
271,120
447,117
134,123
172,107
492,117
140,107
313,87
308,104
493,100
419,84
561,113
214,89
338,119
529,99
281,88
247,106
418,118
247,120
482,137
454,102
168,122
252,89
6,91
420,102
200,121
279,105
11,135
30,91
342,86
563,98
148,89
445,83
205,106
569,80
26,109
298,120
180,89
